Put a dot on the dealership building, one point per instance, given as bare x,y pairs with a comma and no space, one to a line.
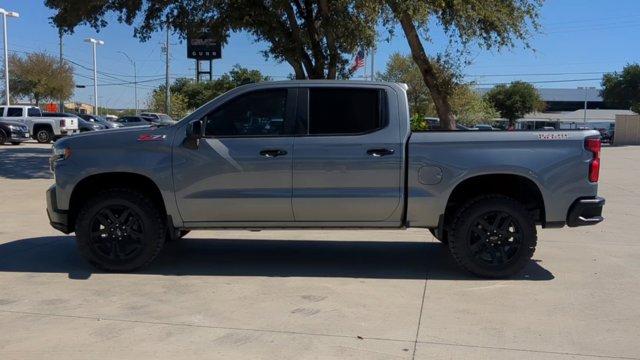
565,109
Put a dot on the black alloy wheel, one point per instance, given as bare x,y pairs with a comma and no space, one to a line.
494,238
117,233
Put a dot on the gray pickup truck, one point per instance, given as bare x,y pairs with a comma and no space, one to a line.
321,154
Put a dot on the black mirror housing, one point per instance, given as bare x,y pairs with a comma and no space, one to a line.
195,132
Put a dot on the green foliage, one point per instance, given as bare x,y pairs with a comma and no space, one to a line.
40,77
178,104
622,90
316,37
402,69
468,107
190,95
486,24
515,100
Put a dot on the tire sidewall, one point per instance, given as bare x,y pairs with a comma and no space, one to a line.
461,248
152,239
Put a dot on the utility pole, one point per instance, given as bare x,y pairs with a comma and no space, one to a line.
6,13
94,43
135,80
373,52
167,97
61,99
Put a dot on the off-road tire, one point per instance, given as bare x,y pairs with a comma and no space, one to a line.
44,136
460,237
151,222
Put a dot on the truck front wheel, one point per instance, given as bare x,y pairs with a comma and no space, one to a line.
120,230
493,236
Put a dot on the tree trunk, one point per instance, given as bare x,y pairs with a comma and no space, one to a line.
440,98
325,12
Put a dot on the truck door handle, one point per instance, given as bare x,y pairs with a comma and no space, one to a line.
380,152
271,153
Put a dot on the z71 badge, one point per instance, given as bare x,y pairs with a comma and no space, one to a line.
553,136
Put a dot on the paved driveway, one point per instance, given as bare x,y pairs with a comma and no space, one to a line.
317,294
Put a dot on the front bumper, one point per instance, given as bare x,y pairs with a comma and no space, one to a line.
585,212
19,136
59,219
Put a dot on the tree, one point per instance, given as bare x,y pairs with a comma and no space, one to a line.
468,106
316,37
515,100
178,103
40,77
623,89
403,69
487,23
191,95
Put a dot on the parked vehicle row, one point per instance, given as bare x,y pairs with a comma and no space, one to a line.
42,128
20,123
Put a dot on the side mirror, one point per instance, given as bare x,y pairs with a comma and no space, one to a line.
195,132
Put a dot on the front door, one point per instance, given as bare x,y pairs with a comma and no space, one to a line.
241,170
347,158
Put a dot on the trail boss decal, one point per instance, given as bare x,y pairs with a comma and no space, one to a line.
553,136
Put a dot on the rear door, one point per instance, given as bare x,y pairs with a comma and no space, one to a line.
347,156
241,171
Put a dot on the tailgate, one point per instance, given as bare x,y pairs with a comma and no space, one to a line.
70,124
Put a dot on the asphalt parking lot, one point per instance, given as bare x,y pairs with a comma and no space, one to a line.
317,294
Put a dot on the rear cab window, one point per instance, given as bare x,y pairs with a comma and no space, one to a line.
345,111
34,112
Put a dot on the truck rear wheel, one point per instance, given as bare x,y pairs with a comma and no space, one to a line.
44,136
493,236
120,230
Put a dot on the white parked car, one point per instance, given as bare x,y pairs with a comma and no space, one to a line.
43,129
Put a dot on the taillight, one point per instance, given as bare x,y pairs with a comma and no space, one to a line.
594,145
63,122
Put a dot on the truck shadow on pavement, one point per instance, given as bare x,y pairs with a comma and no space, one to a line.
272,258
24,162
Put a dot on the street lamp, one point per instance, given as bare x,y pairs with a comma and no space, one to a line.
135,79
586,91
94,43
6,13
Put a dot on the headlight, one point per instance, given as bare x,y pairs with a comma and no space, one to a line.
60,154
16,127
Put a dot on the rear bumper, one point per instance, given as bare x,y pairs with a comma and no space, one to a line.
585,212
59,219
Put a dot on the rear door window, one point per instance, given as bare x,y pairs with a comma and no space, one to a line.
343,111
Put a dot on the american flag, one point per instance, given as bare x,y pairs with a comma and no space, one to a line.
359,61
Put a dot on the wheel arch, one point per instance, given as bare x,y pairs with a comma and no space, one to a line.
516,186
96,183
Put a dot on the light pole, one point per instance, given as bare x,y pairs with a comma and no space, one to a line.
586,91
135,80
6,13
94,43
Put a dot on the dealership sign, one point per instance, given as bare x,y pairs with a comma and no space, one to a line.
203,47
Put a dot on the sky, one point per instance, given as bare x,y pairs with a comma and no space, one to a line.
579,41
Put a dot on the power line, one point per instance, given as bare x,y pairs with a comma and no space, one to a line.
543,81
